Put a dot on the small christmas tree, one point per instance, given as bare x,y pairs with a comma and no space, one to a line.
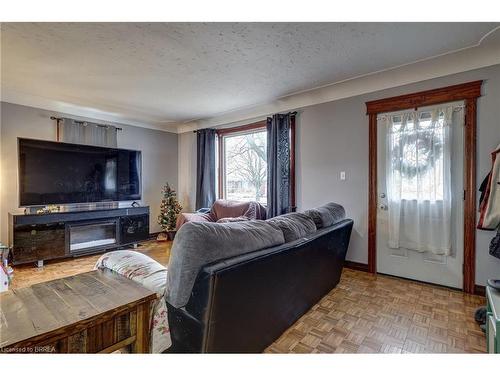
169,209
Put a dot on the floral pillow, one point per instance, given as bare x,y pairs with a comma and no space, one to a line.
151,275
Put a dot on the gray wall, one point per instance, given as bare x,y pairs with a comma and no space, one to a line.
159,156
333,137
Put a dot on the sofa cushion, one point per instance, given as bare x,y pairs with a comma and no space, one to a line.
326,215
315,215
197,244
294,225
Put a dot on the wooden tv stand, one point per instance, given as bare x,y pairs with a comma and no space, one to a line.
35,238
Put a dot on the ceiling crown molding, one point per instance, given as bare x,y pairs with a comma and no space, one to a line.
64,107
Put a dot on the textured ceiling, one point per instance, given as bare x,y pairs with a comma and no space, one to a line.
167,73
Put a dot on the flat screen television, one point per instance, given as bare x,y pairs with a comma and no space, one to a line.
64,173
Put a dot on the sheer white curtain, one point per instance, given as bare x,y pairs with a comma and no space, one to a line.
88,133
418,179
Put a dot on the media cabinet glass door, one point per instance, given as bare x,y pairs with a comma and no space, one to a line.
86,237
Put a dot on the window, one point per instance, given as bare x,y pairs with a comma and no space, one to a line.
243,163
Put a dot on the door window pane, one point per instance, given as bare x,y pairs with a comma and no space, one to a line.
416,149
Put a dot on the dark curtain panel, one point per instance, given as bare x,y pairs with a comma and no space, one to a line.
278,165
205,168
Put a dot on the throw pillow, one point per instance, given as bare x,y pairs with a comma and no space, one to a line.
293,225
326,215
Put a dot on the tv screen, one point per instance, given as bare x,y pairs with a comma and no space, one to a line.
63,173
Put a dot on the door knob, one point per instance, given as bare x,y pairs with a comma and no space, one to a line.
383,207
382,195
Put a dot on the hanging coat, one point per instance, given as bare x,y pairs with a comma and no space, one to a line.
489,208
495,245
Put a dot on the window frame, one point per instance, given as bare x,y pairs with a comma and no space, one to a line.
250,128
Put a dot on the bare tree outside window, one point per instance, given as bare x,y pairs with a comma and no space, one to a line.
246,166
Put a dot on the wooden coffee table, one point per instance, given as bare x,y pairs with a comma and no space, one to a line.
93,312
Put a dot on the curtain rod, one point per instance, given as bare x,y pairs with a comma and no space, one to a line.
82,122
291,113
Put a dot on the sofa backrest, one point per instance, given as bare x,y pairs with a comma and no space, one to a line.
199,243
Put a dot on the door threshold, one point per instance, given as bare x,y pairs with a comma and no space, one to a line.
421,282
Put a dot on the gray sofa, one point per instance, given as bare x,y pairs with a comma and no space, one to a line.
235,287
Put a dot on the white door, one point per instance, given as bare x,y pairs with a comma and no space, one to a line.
427,266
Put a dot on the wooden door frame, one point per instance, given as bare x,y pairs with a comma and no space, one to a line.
468,92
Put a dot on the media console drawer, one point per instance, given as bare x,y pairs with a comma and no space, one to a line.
38,241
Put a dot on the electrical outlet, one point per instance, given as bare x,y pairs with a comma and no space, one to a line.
342,175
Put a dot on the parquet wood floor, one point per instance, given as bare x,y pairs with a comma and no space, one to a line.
380,314
26,275
364,314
